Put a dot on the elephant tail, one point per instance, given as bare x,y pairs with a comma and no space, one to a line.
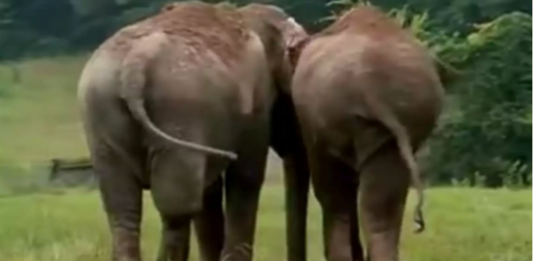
133,82
387,118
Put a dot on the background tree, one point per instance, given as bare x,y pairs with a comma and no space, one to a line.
489,132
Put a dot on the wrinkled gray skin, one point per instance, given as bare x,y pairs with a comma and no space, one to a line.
367,96
165,109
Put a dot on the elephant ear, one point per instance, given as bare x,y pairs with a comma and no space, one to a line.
270,36
294,51
279,33
293,32
273,41
295,37
276,48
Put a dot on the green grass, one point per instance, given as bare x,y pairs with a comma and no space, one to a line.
463,224
39,121
39,115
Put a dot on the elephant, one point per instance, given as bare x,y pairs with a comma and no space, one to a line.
367,95
171,103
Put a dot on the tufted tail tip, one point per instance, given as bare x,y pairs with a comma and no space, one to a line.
420,224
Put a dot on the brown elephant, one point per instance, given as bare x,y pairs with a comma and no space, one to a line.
367,95
171,102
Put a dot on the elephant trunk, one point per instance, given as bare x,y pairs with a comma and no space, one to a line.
133,81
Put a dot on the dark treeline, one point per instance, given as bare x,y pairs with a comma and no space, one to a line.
43,27
484,137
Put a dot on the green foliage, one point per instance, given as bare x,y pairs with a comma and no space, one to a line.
341,6
490,133
43,27
459,15
416,23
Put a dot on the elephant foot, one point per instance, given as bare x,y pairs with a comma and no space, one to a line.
175,240
125,245
241,252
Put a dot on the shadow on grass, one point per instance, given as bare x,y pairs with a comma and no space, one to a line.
59,175
18,181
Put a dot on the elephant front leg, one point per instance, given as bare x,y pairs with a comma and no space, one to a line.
384,187
243,186
296,198
177,190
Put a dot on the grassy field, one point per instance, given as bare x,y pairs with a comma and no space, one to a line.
463,224
38,121
38,115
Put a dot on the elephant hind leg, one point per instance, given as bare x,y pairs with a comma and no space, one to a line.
335,186
122,198
297,182
177,178
118,161
209,223
243,181
384,187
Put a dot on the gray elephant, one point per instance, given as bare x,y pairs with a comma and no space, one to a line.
367,95
171,102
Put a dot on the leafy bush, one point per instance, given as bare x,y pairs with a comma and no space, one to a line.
490,132
41,27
